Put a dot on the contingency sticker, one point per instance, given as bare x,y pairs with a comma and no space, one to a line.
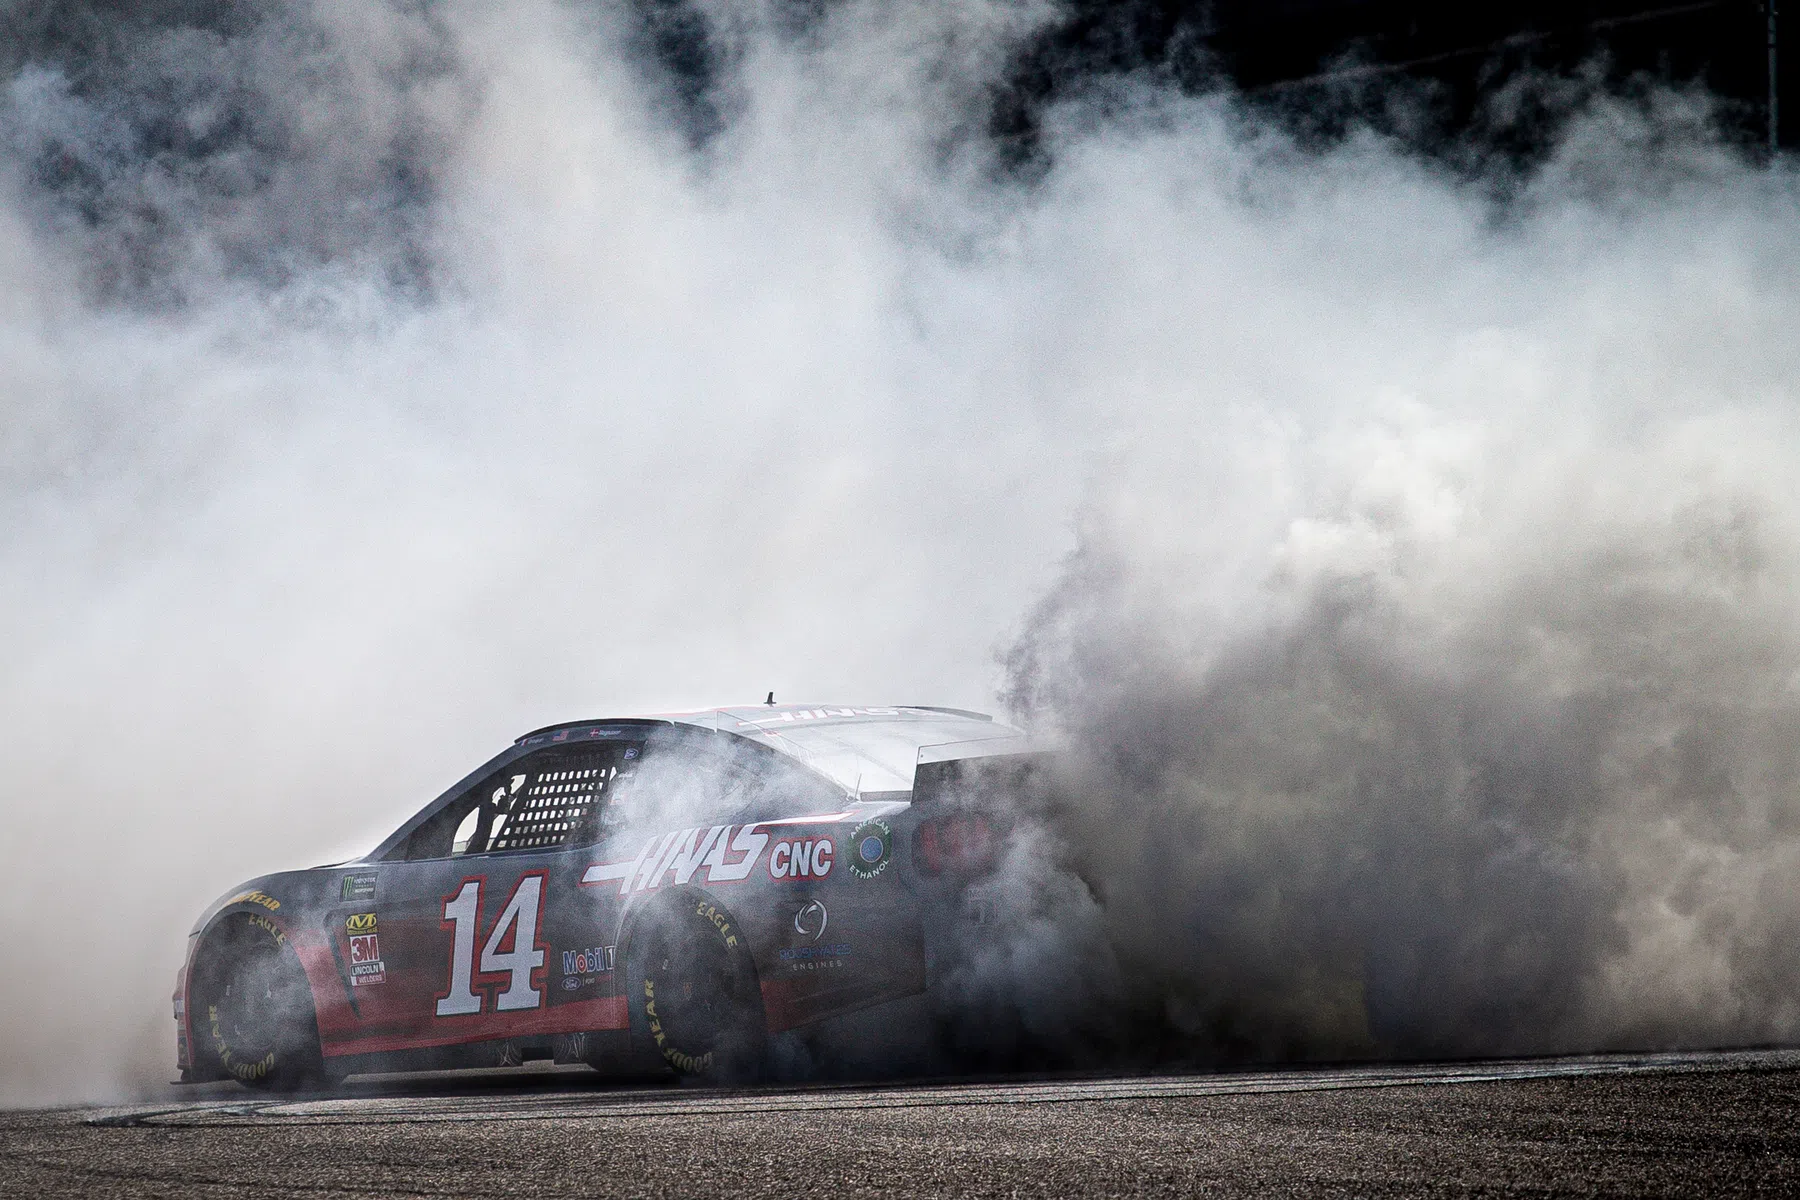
366,966
871,847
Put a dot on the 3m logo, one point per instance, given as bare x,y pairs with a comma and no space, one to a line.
800,858
360,923
365,948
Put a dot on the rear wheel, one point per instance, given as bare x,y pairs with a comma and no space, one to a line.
253,1009
695,1001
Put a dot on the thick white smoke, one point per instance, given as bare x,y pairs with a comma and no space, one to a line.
383,379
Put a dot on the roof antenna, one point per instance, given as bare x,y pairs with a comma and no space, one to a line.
771,700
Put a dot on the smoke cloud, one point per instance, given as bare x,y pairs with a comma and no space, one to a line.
1406,553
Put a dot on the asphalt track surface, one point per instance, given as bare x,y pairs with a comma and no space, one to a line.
1656,1125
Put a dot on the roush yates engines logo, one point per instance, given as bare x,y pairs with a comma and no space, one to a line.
811,920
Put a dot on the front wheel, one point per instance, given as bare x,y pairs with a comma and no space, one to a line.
695,1000
254,1015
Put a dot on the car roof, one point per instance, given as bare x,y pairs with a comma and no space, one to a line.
868,750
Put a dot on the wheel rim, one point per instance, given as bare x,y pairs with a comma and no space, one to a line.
257,1009
249,1004
701,994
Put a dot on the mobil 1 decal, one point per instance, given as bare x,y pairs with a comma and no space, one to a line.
583,968
871,848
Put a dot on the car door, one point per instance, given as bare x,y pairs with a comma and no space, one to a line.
480,921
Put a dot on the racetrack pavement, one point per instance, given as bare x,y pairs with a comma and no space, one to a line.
1648,1125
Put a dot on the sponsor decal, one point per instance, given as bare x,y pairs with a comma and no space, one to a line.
818,714
815,958
366,966
810,921
596,961
800,858
721,854
267,901
357,887
871,848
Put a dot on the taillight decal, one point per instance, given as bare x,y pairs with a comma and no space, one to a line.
957,844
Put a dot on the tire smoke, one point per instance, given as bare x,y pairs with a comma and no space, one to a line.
384,378
1480,766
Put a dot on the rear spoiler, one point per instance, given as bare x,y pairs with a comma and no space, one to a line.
942,766
980,748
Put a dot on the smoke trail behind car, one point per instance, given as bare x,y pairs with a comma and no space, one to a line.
383,379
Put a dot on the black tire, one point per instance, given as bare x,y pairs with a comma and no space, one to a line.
254,1019
695,1001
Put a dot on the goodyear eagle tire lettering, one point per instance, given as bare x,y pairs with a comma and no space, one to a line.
696,1004
257,1025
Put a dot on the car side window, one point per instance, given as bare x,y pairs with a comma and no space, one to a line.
554,799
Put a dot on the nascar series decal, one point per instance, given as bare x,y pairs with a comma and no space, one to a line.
357,887
366,967
871,849
682,856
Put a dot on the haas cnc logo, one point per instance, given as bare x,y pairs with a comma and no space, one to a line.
801,858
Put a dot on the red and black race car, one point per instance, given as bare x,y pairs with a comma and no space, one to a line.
664,892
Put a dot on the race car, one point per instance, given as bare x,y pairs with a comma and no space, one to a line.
658,893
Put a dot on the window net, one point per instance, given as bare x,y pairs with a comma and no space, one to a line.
555,805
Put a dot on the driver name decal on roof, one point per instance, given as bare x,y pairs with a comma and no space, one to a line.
818,714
